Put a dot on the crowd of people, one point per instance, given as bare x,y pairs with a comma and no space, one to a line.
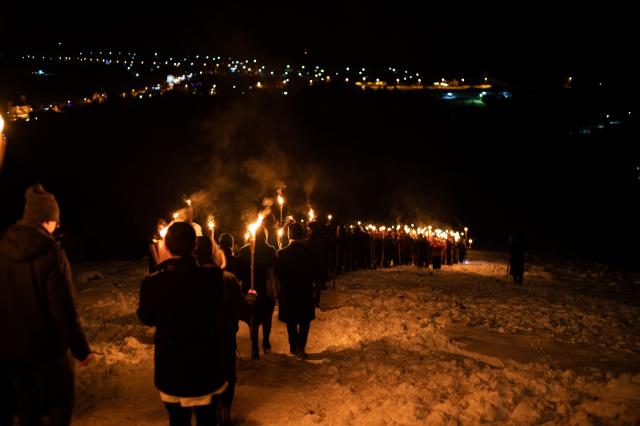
197,291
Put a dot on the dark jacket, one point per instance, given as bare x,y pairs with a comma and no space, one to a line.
185,304
265,258
295,270
38,319
236,307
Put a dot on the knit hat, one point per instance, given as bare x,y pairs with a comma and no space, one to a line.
40,206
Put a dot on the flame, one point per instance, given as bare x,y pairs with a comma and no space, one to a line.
329,216
255,225
1,123
280,232
176,215
312,214
163,231
211,222
280,200
188,201
247,236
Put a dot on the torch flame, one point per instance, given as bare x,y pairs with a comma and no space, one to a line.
188,201
254,226
280,200
329,216
247,236
211,222
176,215
312,214
280,232
1,124
163,231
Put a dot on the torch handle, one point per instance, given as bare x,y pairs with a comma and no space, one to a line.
253,256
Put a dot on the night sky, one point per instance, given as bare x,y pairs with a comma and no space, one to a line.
519,41
517,162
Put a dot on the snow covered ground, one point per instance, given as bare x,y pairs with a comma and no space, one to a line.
401,346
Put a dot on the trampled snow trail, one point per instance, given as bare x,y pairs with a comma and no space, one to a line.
402,346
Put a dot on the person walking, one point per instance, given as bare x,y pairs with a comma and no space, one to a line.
186,303
295,271
264,262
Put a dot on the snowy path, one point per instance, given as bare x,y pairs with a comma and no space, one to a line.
402,346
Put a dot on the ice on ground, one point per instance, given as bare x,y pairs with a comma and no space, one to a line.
401,346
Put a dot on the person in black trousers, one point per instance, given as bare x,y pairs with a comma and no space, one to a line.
295,269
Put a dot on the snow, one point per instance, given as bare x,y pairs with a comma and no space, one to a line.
401,346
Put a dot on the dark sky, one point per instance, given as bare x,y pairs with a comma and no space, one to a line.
528,37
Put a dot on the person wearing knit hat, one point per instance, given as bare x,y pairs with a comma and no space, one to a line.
39,327
40,206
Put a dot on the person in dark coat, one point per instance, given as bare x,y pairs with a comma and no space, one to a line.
462,250
38,320
295,270
264,262
233,297
317,243
186,304
233,264
517,251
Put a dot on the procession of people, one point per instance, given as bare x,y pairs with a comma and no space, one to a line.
196,292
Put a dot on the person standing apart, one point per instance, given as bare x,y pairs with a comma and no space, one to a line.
39,326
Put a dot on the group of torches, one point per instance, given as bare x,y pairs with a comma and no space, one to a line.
428,232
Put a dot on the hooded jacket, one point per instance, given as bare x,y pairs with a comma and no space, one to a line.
38,319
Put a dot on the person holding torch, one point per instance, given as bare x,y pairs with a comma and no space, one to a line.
257,260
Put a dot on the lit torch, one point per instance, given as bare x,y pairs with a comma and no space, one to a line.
2,141
312,215
211,224
281,203
280,234
252,229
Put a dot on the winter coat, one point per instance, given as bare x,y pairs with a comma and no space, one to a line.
185,303
295,270
265,258
236,308
317,244
38,319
